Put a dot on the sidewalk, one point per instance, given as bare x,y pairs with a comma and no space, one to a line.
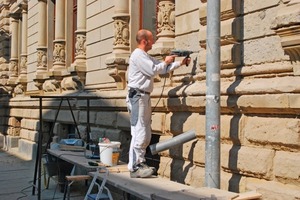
16,179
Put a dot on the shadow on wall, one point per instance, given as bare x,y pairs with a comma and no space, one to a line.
179,168
234,182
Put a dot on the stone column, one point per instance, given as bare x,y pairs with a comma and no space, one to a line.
165,27
4,40
22,79
42,40
59,62
79,65
23,62
118,62
14,62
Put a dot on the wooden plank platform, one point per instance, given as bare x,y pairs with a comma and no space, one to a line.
162,189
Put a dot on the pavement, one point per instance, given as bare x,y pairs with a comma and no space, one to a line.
16,181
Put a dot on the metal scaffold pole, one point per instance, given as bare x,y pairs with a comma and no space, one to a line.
212,111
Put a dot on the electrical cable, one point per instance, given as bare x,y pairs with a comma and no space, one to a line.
162,91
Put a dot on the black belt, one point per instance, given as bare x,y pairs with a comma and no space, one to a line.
138,90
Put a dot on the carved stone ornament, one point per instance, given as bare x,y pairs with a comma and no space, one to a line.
13,68
42,59
19,89
71,83
51,86
59,53
166,17
80,46
121,35
23,65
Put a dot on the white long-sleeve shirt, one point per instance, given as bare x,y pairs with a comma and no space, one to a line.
143,68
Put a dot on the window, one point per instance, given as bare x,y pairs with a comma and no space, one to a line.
148,16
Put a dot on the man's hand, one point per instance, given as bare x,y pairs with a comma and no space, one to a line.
186,61
169,59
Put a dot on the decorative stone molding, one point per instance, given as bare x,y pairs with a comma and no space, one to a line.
287,26
117,70
118,62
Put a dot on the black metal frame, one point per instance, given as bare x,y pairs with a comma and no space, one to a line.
37,170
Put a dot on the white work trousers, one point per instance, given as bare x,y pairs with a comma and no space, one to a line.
139,106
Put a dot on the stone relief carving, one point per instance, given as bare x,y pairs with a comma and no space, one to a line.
19,89
71,83
80,45
13,68
59,53
42,59
121,35
51,86
166,17
23,64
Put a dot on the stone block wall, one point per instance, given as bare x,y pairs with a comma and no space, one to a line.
259,95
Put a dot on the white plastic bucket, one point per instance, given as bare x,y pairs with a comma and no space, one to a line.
109,153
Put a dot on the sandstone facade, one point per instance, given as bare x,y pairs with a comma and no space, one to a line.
260,45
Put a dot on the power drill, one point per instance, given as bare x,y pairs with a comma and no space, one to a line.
182,53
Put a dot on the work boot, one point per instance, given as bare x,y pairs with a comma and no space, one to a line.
146,166
141,172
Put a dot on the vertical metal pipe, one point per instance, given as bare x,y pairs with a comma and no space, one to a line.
212,143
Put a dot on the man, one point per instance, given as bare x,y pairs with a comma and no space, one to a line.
142,70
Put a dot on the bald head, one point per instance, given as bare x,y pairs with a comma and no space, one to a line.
144,38
142,34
